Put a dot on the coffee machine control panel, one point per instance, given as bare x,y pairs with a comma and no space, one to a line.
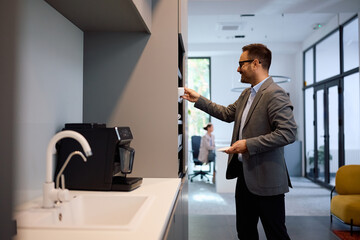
124,134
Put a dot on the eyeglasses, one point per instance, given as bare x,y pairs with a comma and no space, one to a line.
241,63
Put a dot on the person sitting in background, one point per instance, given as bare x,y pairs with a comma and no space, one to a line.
207,147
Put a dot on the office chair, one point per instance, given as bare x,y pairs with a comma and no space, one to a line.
195,144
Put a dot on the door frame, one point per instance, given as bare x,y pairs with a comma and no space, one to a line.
325,87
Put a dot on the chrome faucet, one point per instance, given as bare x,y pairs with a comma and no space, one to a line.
50,194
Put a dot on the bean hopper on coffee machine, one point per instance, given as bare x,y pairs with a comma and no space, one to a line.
107,168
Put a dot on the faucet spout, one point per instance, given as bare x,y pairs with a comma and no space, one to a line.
64,166
51,150
50,194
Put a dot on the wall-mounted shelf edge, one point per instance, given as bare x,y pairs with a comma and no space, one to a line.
104,15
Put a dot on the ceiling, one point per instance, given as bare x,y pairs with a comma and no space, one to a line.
275,21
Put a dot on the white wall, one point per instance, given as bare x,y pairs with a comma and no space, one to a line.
49,91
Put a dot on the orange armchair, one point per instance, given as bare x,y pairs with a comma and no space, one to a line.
346,204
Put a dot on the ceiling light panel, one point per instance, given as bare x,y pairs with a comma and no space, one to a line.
230,26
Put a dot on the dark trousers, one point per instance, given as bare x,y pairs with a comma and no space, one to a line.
250,207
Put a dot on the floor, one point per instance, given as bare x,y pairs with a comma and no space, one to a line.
212,215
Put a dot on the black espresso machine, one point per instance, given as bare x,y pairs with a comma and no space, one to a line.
106,169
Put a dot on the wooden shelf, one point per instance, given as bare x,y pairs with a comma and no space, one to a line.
102,15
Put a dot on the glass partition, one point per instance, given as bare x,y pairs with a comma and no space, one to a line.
333,108
309,66
352,119
309,127
332,103
351,45
320,132
328,57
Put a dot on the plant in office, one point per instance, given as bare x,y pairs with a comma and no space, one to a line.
320,159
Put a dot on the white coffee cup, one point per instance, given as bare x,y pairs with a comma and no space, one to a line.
181,91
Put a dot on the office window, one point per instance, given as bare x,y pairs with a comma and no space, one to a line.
320,132
352,119
333,118
309,127
309,66
199,80
351,45
332,102
328,57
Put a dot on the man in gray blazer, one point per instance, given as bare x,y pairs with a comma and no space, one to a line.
264,124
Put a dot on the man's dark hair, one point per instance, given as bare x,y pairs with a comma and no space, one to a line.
260,52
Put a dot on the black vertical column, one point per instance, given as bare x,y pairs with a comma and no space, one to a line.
8,10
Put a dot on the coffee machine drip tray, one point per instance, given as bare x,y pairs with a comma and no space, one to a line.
121,183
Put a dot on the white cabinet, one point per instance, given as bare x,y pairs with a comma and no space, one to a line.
177,228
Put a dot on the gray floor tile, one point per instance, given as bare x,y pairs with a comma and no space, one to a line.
212,215
214,227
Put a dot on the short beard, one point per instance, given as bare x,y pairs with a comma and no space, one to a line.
244,79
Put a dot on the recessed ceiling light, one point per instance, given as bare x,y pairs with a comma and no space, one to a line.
230,26
247,15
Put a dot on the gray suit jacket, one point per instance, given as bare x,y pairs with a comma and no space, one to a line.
269,126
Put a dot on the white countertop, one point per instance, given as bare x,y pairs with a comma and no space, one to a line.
152,225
